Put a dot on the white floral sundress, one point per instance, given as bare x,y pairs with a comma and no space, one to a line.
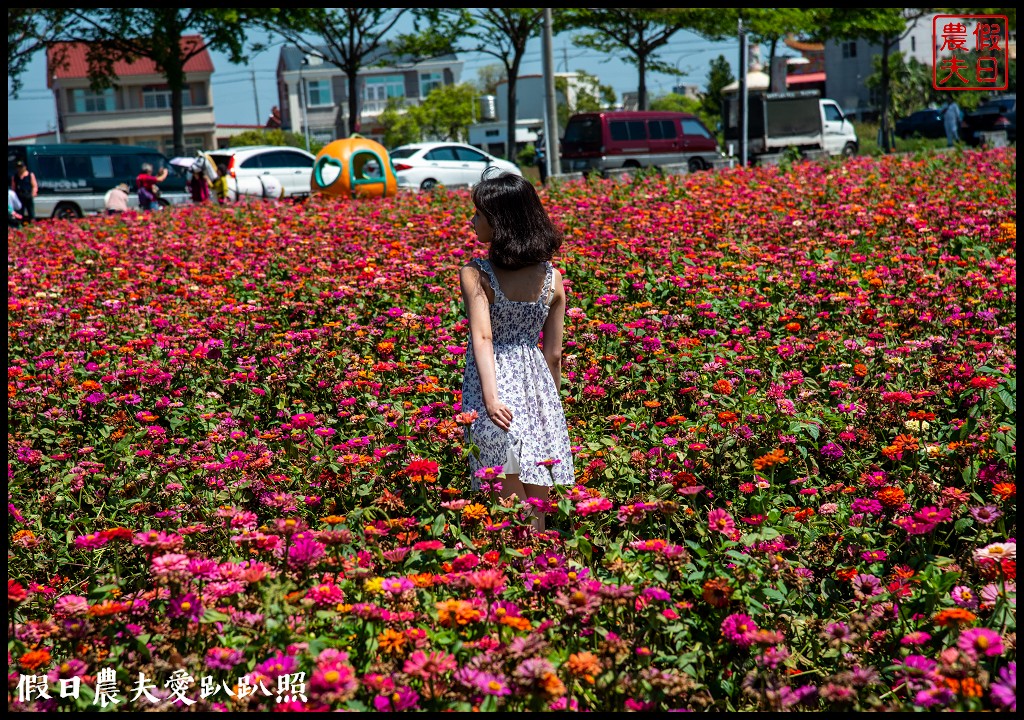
538,432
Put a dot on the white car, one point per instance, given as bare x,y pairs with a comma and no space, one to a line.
426,165
266,171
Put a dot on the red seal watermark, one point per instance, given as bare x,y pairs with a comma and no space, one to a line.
970,52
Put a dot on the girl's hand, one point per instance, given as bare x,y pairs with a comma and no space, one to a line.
500,414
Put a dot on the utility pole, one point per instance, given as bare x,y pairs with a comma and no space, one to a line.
255,96
552,159
742,95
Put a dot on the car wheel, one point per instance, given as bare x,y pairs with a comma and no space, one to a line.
849,150
67,211
428,184
631,165
695,165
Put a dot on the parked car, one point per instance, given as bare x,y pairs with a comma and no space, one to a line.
995,114
609,140
266,171
925,123
426,165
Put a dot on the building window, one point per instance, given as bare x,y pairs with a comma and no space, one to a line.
850,50
84,100
430,82
318,93
158,97
379,89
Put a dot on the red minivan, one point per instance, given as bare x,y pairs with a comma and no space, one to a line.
637,138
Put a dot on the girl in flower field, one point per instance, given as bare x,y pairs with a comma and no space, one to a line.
513,298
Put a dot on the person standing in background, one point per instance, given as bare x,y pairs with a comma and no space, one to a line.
24,184
952,116
146,184
198,186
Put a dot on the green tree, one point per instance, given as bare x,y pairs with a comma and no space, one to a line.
884,27
768,26
354,38
446,113
503,34
273,136
719,75
489,77
115,35
400,126
29,31
590,96
638,35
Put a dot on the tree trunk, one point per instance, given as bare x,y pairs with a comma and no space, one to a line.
511,121
641,90
353,103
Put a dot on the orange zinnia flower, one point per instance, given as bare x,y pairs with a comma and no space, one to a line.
1004,490
34,659
391,641
727,417
860,369
723,387
583,665
457,612
475,511
952,616
891,496
775,457
716,592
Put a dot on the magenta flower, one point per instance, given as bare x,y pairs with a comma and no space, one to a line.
485,682
980,642
403,698
325,594
187,606
222,658
739,629
397,585
304,420
722,522
1004,689
429,665
92,541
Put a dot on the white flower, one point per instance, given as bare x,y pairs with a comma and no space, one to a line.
996,551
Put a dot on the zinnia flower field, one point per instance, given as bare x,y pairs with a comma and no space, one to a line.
237,466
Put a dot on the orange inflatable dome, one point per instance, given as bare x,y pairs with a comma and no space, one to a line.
354,167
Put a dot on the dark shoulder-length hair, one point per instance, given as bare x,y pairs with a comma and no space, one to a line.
523,234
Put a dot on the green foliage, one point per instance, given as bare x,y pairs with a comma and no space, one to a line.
585,99
274,137
719,75
446,113
637,36
400,126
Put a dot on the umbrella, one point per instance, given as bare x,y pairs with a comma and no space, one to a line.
183,162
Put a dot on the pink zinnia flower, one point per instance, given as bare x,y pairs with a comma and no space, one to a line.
593,505
186,606
403,698
397,585
92,541
426,666
325,594
221,658
739,629
980,642
721,521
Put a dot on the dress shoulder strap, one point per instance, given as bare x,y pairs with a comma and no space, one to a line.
549,276
485,265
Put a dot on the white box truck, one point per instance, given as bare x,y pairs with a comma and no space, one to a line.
794,119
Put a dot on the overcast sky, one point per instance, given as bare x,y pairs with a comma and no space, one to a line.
243,95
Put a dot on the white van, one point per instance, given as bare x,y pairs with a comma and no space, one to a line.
838,133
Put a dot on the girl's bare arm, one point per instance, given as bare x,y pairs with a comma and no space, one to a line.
554,328
478,310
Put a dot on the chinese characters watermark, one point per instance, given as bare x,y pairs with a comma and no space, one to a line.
970,52
291,687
